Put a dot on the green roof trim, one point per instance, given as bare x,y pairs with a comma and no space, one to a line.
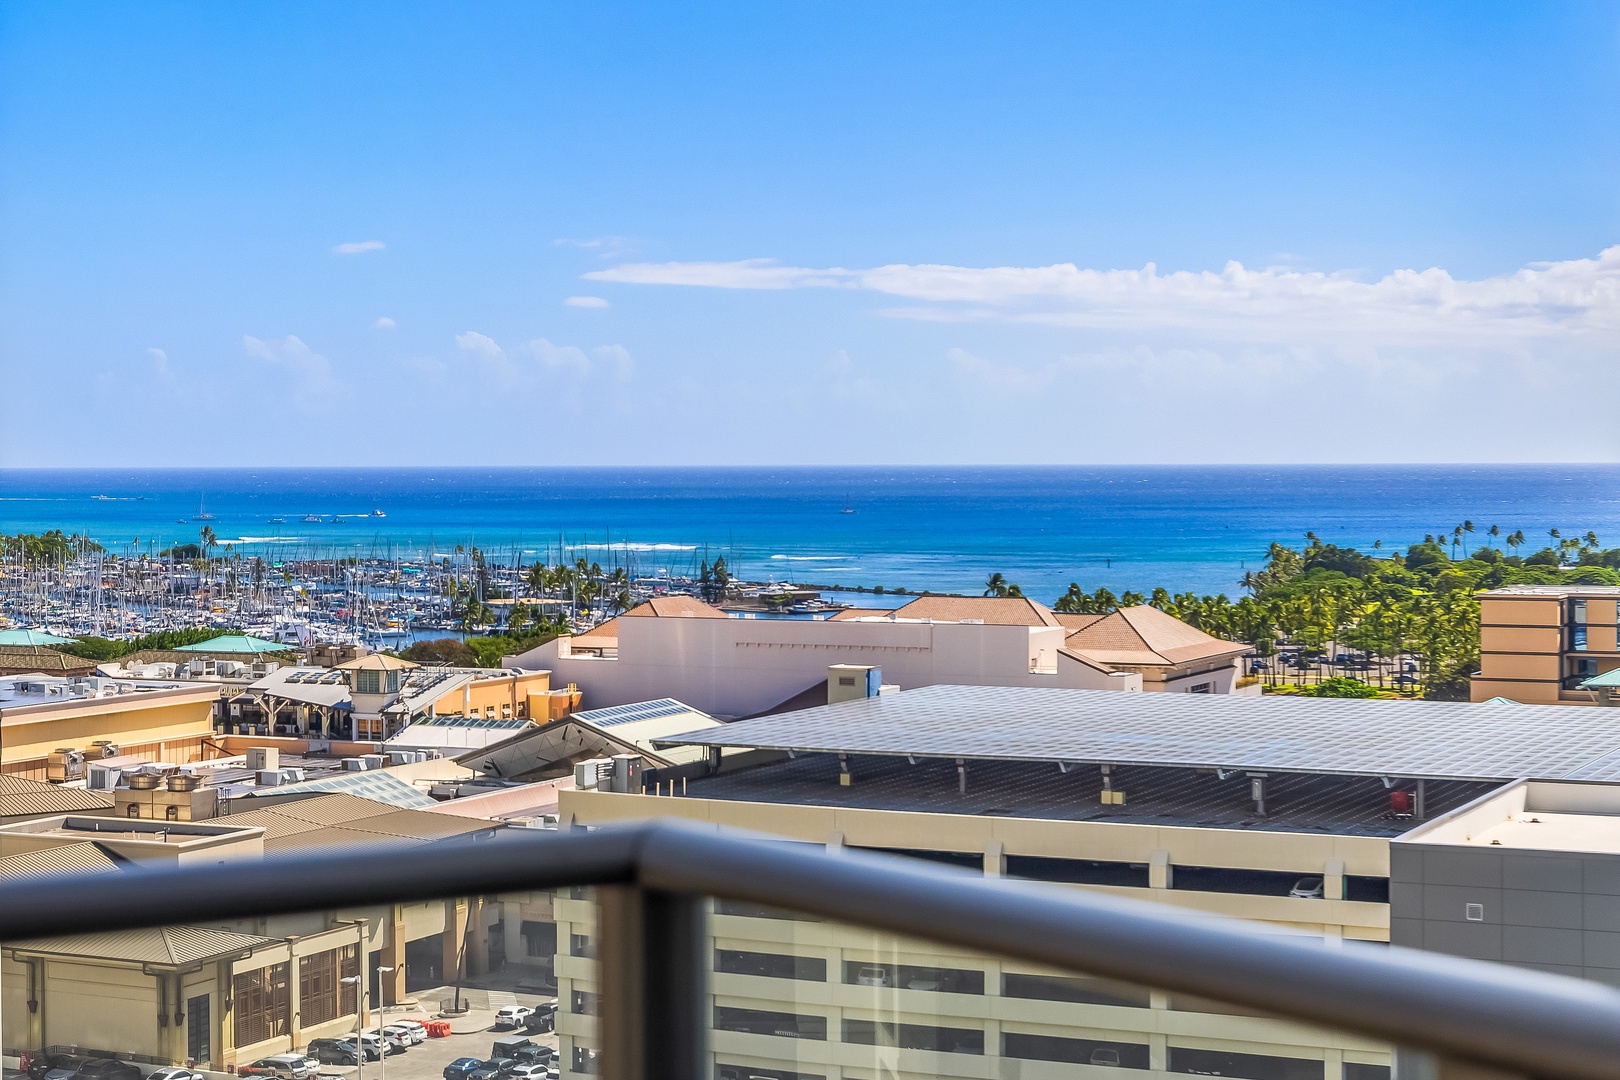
236,643
30,637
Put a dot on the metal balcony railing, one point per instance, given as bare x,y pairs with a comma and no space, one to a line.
1473,1018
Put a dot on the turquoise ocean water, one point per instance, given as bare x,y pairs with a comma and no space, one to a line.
943,528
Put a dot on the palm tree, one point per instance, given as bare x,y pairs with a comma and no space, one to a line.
995,585
1467,527
1495,531
1515,539
1591,540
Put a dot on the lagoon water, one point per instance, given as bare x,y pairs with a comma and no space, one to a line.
941,528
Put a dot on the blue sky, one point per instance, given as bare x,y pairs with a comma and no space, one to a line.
662,234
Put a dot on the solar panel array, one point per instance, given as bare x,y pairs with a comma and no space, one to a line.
1440,740
640,710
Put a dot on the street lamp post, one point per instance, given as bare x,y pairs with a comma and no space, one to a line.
359,983
382,1040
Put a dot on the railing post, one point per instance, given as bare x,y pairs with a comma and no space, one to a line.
653,1009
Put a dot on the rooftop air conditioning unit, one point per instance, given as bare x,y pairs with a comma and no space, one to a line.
105,748
400,757
144,781
373,761
353,764
589,774
260,758
183,782
104,778
292,776
270,778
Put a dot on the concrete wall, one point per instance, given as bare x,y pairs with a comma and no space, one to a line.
1556,912
739,667
1300,853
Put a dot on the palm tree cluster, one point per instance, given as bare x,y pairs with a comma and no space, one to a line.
1409,619
583,584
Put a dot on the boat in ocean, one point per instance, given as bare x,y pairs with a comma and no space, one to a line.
378,513
314,519
276,521
202,513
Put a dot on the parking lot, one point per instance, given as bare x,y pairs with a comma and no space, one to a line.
471,1035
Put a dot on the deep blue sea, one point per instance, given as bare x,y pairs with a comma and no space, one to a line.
941,528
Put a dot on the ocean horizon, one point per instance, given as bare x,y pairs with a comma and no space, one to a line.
944,528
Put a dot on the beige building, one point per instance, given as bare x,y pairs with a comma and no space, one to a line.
1277,810
1539,643
679,647
158,720
229,993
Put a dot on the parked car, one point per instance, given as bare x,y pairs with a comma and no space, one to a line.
529,1053
528,1072
174,1072
516,1047
284,1066
1105,1055
1307,888
512,1016
410,1036
54,1067
107,1069
461,1068
544,1018
334,1051
418,1029
493,1069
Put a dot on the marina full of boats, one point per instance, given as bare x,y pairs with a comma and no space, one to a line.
74,588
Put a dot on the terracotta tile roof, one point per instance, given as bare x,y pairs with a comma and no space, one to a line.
1076,622
859,613
602,632
996,610
1145,635
665,607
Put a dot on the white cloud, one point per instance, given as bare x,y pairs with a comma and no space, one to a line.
586,302
308,373
1574,298
384,323
541,359
480,344
359,247
604,247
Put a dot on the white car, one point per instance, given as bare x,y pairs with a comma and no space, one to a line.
418,1029
513,1016
174,1072
412,1035
528,1072
1307,888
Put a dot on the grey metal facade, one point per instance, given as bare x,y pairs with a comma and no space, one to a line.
1557,912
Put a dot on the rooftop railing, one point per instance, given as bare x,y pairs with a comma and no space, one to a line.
654,1003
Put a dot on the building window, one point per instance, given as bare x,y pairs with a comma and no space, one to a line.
770,965
1201,688
943,1040
1354,1070
1073,988
914,977
1246,1066
749,1072
539,939
134,810
763,1022
367,682
1074,1051
584,1060
262,1004
1078,871
321,993
580,945
582,1003
748,910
